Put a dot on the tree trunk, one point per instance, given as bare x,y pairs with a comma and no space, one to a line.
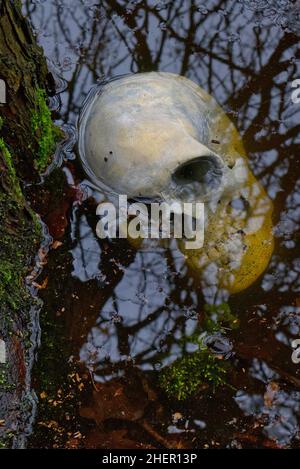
27,141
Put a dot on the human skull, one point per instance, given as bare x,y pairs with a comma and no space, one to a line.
150,135
159,136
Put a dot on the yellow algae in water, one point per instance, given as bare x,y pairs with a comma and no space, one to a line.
238,244
238,236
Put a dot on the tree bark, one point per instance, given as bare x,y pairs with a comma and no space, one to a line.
27,140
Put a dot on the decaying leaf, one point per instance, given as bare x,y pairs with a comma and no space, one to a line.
111,401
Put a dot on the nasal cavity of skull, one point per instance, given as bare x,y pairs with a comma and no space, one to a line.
202,174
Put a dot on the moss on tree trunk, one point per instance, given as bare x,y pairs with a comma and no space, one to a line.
27,142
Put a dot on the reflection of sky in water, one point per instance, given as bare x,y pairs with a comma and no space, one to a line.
290,219
281,417
285,277
278,409
86,253
148,310
140,304
289,317
287,324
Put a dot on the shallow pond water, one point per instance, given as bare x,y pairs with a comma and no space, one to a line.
115,317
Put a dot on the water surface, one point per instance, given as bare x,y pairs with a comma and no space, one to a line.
113,316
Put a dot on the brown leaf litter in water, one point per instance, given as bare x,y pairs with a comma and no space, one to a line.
54,205
270,394
112,405
41,286
254,440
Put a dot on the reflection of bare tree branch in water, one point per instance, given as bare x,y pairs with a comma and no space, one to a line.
141,308
247,63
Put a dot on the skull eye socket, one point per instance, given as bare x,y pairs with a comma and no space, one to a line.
204,170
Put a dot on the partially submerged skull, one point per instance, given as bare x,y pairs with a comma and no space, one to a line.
159,136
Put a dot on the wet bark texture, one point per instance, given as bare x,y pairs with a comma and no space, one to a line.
24,74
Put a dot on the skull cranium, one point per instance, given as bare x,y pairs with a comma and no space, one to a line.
160,136
150,135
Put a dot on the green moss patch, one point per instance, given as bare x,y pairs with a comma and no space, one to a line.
44,130
19,235
17,239
219,317
187,374
184,377
13,181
